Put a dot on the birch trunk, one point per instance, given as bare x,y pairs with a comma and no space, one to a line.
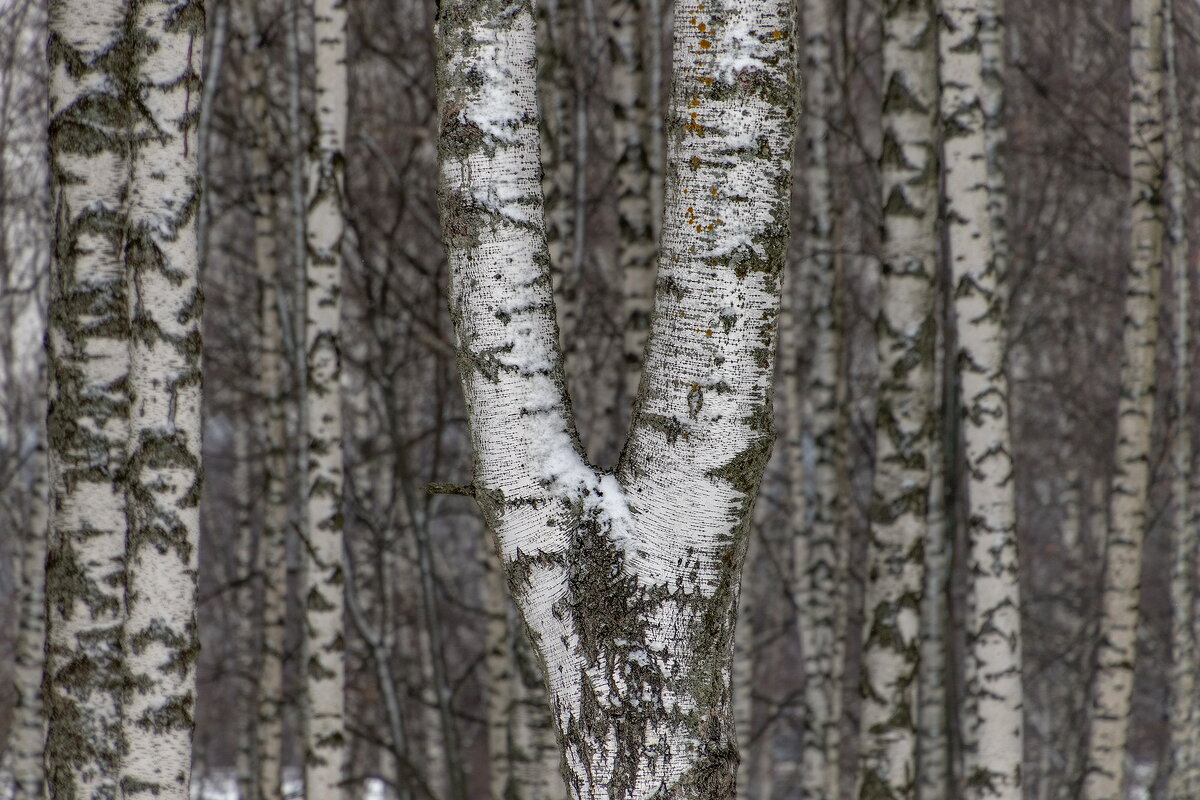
628,582
499,665
537,769
743,692
88,425
555,85
933,746
635,243
28,736
904,427
163,472
994,736
1183,780
245,602
821,636
1113,688
272,545
324,590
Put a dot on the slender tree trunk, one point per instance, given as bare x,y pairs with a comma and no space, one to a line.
635,242
163,475
245,651
28,736
933,746
88,425
272,545
537,770
743,690
628,582
1112,691
1183,781
994,693
904,427
324,591
826,394
498,661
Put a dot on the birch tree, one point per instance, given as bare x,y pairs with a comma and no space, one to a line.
324,602
635,243
1184,778
904,425
272,547
994,697
631,615
1112,690
821,634
162,474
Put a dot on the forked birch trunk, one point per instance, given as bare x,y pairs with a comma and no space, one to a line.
1112,690
905,426
635,231
627,581
1183,780
163,473
324,590
88,345
994,692
821,635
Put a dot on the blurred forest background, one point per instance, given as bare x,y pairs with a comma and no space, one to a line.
423,605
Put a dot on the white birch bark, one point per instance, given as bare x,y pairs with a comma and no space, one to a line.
163,472
904,427
272,546
537,764
821,635
88,425
635,231
1183,782
631,614
27,738
1112,690
324,590
994,738
743,691
498,662
933,744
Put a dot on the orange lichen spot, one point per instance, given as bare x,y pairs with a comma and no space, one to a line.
708,332
695,387
699,229
707,81
702,27
705,44
777,34
694,103
685,191
710,227
713,191
695,161
691,210
693,20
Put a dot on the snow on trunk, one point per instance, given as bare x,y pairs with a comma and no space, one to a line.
627,582
905,425
1112,690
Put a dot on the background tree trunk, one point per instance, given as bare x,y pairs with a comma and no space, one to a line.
904,426
1113,688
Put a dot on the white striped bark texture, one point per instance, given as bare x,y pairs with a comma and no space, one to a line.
821,635
743,690
324,590
27,737
933,743
163,472
272,545
124,340
1184,780
556,82
1112,690
635,240
627,581
905,332
994,692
